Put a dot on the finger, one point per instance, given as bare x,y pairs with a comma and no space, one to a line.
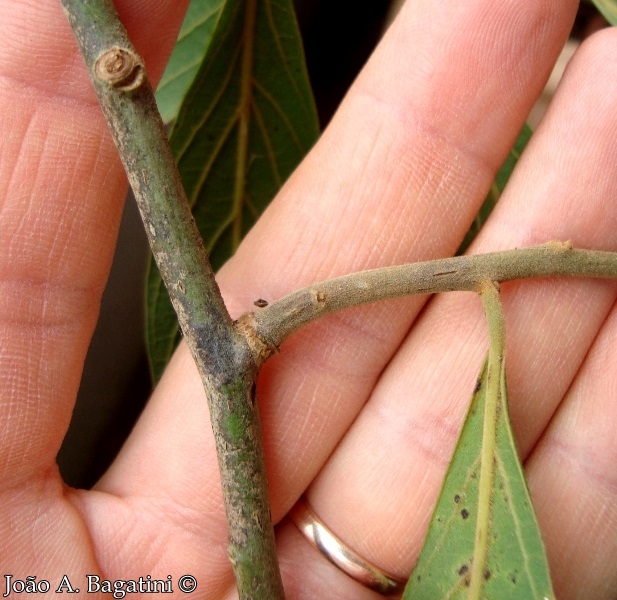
571,472
571,475
406,162
61,194
387,472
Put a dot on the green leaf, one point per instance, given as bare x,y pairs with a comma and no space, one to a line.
498,186
483,540
193,41
247,120
608,8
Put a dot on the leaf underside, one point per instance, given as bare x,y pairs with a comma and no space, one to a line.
515,565
247,120
190,48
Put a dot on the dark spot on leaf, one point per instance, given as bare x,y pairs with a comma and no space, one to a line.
457,498
261,303
512,577
465,513
464,569
478,386
487,575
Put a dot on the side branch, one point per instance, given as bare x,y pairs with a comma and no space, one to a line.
274,323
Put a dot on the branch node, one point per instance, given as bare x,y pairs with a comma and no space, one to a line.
260,348
120,68
558,247
319,297
488,286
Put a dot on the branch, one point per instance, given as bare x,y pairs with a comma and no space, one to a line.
219,348
272,324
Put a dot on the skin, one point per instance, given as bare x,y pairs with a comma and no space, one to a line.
362,409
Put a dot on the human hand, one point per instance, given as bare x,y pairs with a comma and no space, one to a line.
361,410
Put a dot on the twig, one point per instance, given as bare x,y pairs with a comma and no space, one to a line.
272,324
218,347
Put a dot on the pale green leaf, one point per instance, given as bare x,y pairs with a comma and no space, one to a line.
190,48
497,187
608,8
512,565
246,122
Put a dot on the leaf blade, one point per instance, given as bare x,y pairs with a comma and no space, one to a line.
193,40
516,566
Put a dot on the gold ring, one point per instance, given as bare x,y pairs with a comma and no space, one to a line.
366,573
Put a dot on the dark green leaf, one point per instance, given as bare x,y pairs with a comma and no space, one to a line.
498,186
514,566
187,56
247,121
608,8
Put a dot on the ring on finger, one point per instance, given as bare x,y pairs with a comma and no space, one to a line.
359,569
